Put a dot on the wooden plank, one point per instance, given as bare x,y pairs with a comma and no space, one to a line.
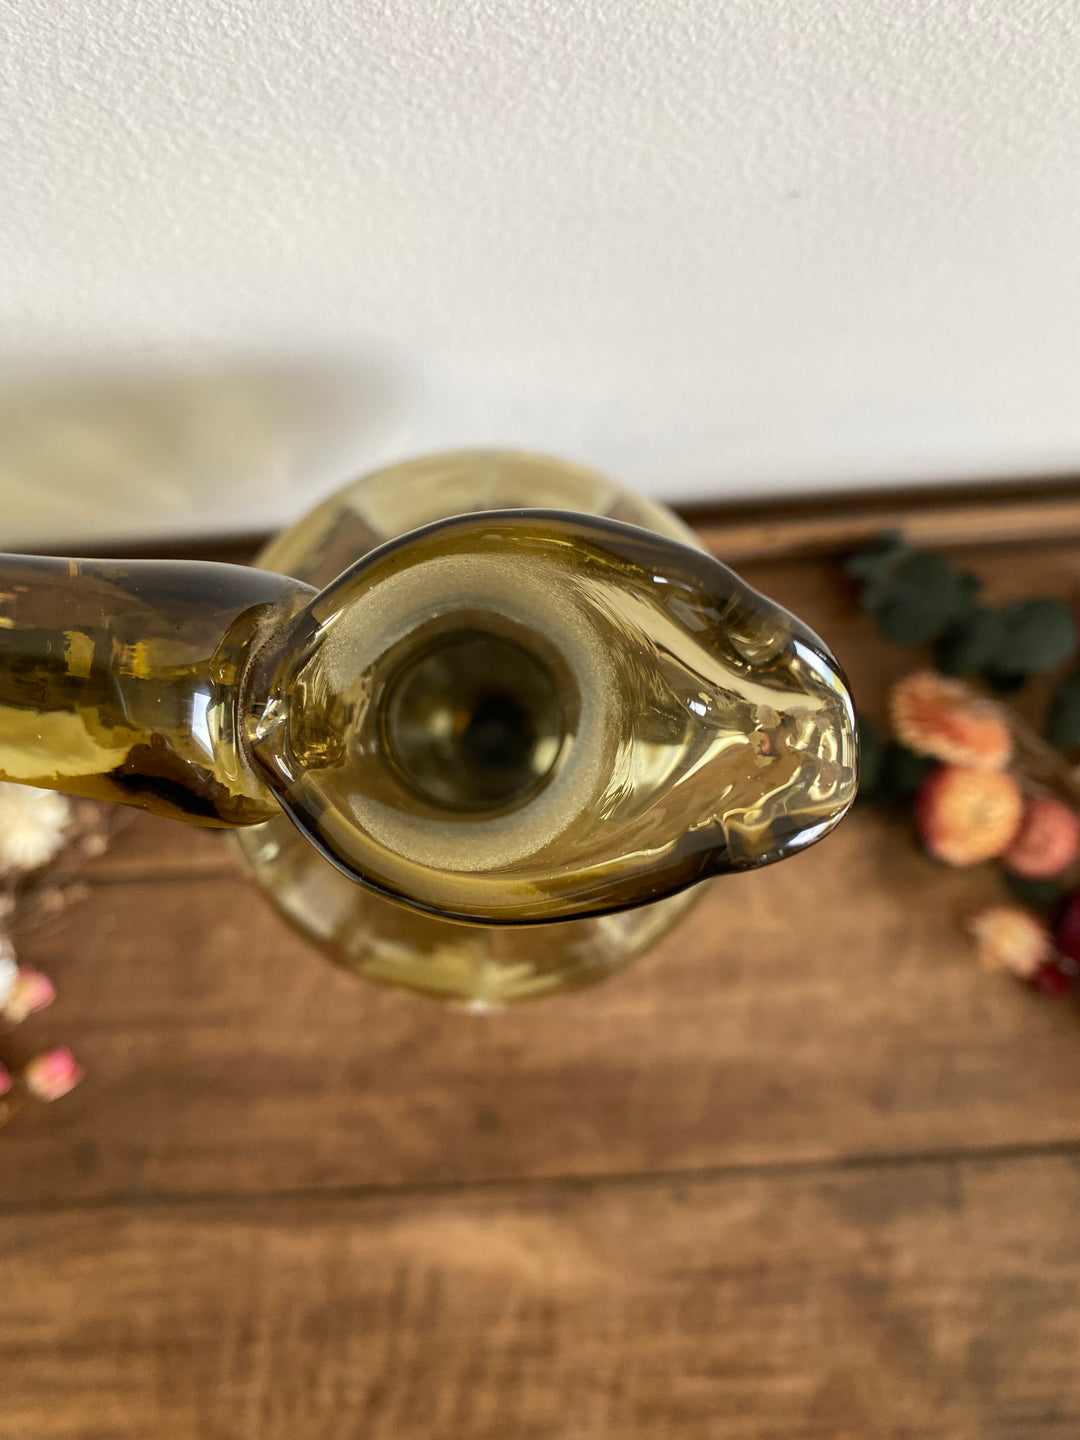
827,1007
148,846
1000,511
771,1288
901,1303
744,533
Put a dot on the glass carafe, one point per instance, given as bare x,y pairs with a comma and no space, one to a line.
480,720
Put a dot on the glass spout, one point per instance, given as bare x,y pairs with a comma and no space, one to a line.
529,716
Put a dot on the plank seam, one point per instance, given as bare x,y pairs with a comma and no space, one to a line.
567,1183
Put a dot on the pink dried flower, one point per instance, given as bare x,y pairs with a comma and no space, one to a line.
1011,939
31,992
944,719
1047,841
964,815
6,1082
52,1074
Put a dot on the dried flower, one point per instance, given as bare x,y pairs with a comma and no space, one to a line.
9,974
1047,841
965,815
945,719
1011,939
32,825
6,1082
31,992
52,1074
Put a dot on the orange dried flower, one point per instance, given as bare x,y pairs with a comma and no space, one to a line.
1047,841
1011,939
965,815
946,720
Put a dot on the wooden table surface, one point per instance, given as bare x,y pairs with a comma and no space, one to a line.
806,1173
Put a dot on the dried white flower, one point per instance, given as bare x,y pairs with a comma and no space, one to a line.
32,825
9,973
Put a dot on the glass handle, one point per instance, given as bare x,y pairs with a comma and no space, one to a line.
121,680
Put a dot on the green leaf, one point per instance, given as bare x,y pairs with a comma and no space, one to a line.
920,598
970,643
1005,682
900,774
1062,726
875,560
1042,895
1039,635
869,759
971,586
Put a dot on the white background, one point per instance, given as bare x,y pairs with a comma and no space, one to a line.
717,247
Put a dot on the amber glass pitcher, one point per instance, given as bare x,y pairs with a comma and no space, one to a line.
478,723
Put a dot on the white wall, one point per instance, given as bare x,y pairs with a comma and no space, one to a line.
735,246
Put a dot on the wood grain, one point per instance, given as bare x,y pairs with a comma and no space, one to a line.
966,516
804,1174
148,847
825,1008
783,1021
892,1303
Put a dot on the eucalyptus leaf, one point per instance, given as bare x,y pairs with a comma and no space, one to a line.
1062,726
970,643
1038,635
900,774
920,599
869,759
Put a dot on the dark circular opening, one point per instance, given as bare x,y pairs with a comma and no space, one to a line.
474,722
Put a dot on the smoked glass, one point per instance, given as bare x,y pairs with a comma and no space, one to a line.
510,711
